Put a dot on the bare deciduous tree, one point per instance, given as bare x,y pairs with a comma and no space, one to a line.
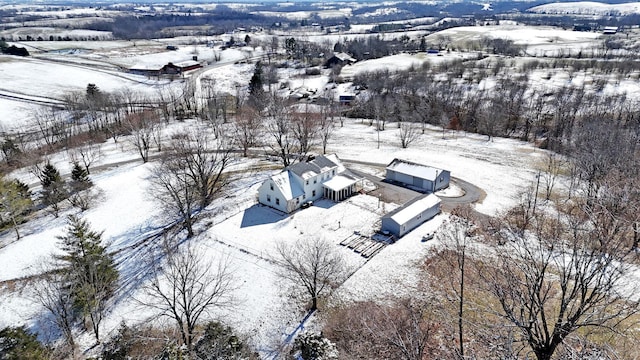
86,154
189,287
408,133
312,264
561,272
551,169
280,130
405,329
246,129
305,126
190,176
141,126
456,236
327,125
51,125
56,299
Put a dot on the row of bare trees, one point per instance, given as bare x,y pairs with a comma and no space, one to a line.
287,130
514,107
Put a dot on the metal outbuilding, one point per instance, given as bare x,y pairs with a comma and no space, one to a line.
420,177
411,215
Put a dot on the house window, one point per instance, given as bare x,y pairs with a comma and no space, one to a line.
269,198
304,196
271,186
297,201
333,172
307,182
313,193
277,201
419,217
315,180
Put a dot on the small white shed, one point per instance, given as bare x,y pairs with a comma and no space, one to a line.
411,215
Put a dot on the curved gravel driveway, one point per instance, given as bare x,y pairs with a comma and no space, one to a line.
400,195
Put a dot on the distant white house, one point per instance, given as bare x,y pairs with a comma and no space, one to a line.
422,177
322,176
411,215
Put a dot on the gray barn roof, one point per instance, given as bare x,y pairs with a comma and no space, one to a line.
415,170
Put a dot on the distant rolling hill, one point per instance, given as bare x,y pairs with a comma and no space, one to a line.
587,8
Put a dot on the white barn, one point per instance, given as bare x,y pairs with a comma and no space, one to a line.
418,176
322,176
411,215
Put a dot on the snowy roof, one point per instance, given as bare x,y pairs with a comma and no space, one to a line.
313,167
413,169
413,208
146,67
334,159
339,182
344,57
289,189
186,63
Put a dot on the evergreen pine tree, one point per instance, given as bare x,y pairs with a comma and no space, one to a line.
14,203
256,87
92,91
53,190
80,182
17,343
91,273
23,189
50,175
219,342
79,178
11,151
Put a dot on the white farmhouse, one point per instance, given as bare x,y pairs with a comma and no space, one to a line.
322,176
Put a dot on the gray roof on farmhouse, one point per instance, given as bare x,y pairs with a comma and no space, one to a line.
312,168
413,169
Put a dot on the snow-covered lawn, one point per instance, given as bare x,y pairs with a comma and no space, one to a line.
55,80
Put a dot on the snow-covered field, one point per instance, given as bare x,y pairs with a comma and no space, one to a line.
538,40
55,79
235,226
